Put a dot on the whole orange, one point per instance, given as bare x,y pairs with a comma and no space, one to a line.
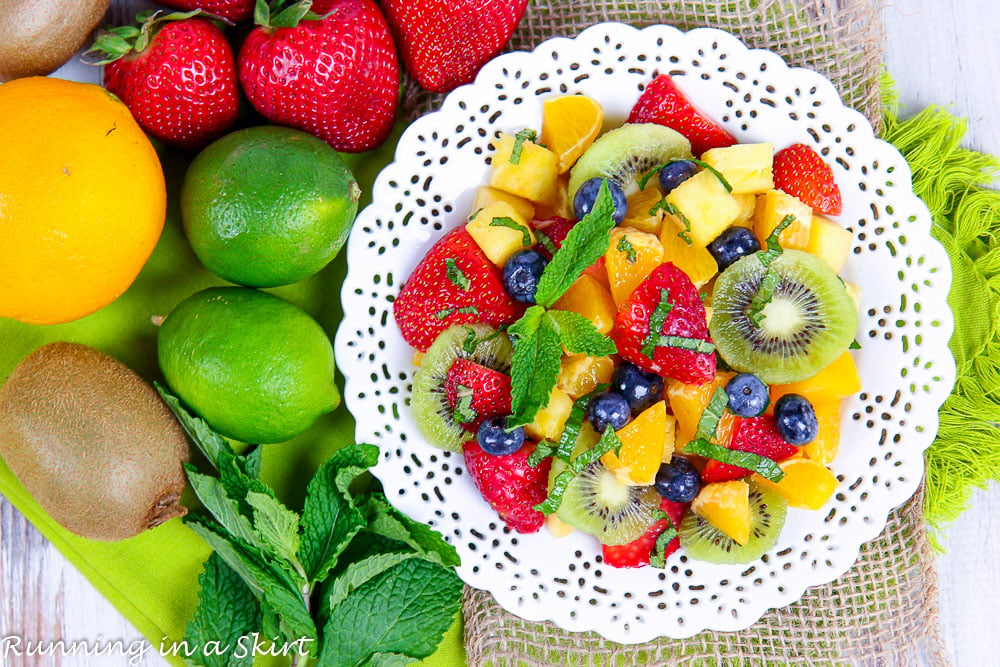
82,199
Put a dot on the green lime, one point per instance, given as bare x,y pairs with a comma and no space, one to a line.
268,206
255,367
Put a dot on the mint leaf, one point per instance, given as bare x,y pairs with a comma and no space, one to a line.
227,610
455,274
223,507
386,520
658,557
330,519
586,242
404,610
464,414
534,366
277,525
773,244
765,292
855,345
389,660
201,434
444,313
656,321
684,234
254,461
710,417
509,223
542,451
609,442
579,335
519,139
625,246
360,572
761,465
685,343
545,241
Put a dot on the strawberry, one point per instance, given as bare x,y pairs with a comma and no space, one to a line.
431,301
335,76
636,553
556,229
176,74
231,10
510,485
801,172
685,319
489,389
756,434
663,103
444,43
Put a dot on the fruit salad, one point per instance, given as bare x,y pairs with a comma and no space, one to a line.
641,334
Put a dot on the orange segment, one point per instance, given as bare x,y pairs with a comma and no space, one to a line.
591,299
726,505
806,484
570,123
630,259
824,448
838,380
639,205
688,401
642,447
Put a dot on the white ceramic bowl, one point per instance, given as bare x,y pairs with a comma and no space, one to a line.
904,361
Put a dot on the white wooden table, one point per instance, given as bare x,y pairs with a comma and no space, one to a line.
939,52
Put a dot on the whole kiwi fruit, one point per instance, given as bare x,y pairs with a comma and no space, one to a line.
92,442
38,36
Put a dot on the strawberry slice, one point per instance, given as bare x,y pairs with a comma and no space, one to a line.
489,391
437,296
801,172
756,434
510,485
556,228
663,103
636,553
685,320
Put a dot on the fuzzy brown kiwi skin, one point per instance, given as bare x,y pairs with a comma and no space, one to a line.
92,442
38,36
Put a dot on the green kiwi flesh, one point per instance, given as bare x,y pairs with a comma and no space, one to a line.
38,36
810,320
92,442
597,503
628,153
702,541
428,400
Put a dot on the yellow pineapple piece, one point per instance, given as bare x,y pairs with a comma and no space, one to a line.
557,527
748,204
639,204
561,207
746,167
591,299
726,505
704,202
838,380
823,448
806,484
550,420
830,242
642,447
535,175
772,207
669,439
631,257
486,195
579,374
496,241
695,261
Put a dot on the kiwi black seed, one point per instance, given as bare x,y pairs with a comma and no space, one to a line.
434,416
92,442
628,153
810,320
703,541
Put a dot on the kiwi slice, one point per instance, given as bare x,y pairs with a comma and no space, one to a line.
597,503
809,321
703,541
628,153
476,342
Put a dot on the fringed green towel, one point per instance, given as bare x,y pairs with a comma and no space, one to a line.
951,180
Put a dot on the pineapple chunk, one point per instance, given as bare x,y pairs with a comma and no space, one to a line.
631,257
557,527
561,207
726,505
639,204
496,241
486,195
747,167
550,420
591,299
748,204
696,262
772,207
704,202
534,177
670,437
830,242
579,374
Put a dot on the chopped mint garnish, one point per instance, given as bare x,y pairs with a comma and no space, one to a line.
509,223
658,556
855,345
656,321
464,414
709,421
625,246
545,241
684,234
456,275
685,343
519,139
448,312
761,465
771,280
609,442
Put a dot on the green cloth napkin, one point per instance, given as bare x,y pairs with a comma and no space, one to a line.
152,578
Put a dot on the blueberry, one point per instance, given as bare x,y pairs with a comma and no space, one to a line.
732,244
521,274
494,438
796,419
747,395
678,480
676,173
608,409
586,195
640,389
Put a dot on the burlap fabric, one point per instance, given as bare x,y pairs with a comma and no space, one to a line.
884,611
